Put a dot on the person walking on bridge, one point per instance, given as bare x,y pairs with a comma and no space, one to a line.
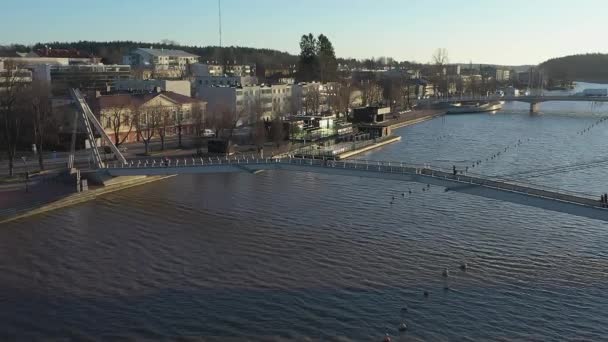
454,170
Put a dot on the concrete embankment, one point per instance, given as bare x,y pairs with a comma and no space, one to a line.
415,117
116,185
408,119
368,147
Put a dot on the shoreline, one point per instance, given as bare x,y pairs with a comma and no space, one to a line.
81,197
399,123
379,144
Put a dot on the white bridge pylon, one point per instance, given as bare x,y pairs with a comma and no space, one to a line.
89,118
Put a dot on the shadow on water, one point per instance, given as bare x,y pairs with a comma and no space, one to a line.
340,314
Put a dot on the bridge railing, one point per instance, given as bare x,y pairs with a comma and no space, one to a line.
426,170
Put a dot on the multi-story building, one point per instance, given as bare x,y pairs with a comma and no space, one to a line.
181,87
503,75
160,59
239,70
65,69
88,78
232,70
202,69
13,76
249,102
531,78
218,81
49,56
123,106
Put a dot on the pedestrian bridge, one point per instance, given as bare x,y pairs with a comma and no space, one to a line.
504,189
533,100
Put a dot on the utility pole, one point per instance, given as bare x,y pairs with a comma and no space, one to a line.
219,9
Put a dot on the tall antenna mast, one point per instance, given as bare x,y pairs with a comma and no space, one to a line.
219,9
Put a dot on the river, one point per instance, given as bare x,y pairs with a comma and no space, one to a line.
298,256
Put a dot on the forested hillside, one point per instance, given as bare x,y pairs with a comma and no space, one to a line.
588,67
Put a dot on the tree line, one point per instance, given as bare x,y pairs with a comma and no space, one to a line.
26,116
111,52
317,61
591,67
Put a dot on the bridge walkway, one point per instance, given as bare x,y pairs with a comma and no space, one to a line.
499,188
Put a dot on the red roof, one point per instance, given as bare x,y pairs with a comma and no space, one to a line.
63,53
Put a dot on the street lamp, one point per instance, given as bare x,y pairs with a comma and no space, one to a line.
27,176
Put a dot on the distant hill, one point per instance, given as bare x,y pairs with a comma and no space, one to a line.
591,67
112,52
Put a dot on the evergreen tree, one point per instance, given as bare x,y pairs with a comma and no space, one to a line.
327,59
308,65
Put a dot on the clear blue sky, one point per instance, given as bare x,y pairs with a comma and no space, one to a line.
482,31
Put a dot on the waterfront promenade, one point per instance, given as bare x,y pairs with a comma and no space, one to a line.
15,202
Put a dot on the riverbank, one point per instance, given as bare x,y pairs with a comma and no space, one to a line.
373,146
63,201
55,196
414,117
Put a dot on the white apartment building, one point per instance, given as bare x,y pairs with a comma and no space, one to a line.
160,59
205,70
272,100
503,75
231,70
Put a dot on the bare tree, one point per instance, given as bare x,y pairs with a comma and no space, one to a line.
440,60
312,101
440,57
259,124
277,130
12,88
295,103
401,94
118,118
344,92
198,116
371,93
226,120
146,122
40,96
179,126
165,122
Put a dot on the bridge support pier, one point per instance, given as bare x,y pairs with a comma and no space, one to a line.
534,107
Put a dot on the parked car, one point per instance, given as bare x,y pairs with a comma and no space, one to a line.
208,133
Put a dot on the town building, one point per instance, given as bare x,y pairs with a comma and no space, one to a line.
160,59
503,75
218,81
370,114
178,108
13,76
234,70
65,69
250,102
239,70
181,87
87,78
201,69
451,70
531,78
49,56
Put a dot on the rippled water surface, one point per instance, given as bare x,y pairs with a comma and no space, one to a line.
281,256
